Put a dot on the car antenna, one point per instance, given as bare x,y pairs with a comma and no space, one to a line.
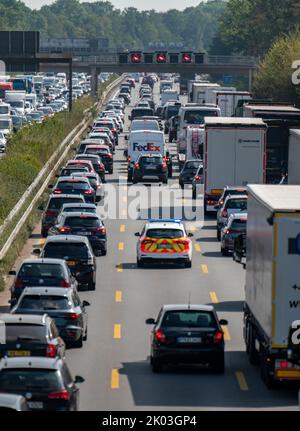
189,304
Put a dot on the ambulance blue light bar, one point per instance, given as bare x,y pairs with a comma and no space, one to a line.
154,220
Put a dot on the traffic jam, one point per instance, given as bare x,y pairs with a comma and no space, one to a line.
212,141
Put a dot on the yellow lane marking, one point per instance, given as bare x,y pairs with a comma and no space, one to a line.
117,331
197,247
213,297
115,380
118,296
193,228
227,336
241,381
120,268
204,269
121,246
122,228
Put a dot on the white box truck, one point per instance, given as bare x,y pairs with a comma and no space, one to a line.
168,95
234,155
16,99
228,100
294,157
143,141
200,91
272,290
210,97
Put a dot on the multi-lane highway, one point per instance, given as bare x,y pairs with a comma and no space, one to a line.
115,359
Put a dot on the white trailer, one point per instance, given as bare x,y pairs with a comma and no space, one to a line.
210,97
16,99
168,95
228,100
294,157
272,290
200,91
234,155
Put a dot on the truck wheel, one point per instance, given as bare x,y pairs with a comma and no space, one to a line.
139,263
92,285
129,177
188,264
224,251
253,355
156,365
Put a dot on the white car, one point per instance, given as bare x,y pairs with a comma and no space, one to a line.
2,142
165,241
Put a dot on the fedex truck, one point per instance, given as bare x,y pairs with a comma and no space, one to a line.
143,141
272,291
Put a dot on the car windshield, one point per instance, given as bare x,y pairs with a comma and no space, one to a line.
14,332
82,221
41,270
240,204
57,203
44,302
151,160
172,110
17,104
197,117
189,319
73,185
4,124
65,250
4,110
96,150
67,171
192,166
165,233
25,379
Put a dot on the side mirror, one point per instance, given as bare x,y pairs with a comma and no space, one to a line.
78,379
223,322
150,321
12,273
37,251
190,235
41,207
126,137
56,176
137,234
50,186
85,304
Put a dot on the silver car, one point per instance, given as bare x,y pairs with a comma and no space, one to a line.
236,225
233,204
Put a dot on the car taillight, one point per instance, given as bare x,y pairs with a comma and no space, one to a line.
221,202
224,213
88,192
64,283
164,166
137,166
73,316
218,337
57,192
160,336
100,229
51,212
114,130
51,351
59,395
210,202
227,231
128,158
198,178
109,156
146,242
284,364
19,283
65,229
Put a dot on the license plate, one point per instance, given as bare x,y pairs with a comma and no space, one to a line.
15,353
71,263
35,405
189,340
164,246
85,233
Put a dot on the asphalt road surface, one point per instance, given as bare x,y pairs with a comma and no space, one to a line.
115,359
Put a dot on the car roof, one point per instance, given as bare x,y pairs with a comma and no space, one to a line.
66,195
83,214
67,238
47,260
238,216
164,224
70,178
30,319
186,307
38,290
241,196
31,362
79,205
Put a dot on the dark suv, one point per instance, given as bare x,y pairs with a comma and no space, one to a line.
149,167
188,172
53,207
78,253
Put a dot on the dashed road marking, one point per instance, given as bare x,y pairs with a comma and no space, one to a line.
122,228
227,336
118,296
197,247
213,297
117,331
115,379
121,246
241,381
120,268
204,269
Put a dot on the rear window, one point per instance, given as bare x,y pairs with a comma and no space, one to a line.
65,250
23,379
97,150
151,160
57,203
67,171
73,185
77,209
233,193
141,112
172,110
192,166
240,204
239,224
197,117
189,319
88,222
25,332
165,233
43,270
44,302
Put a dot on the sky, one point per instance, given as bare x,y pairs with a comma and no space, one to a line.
161,5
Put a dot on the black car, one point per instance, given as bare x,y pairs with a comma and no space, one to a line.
31,335
76,250
83,224
188,172
46,383
97,163
141,112
62,305
197,181
74,186
150,167
187,334
53,207
104,153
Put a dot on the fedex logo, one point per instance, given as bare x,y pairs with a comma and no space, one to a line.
149,147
